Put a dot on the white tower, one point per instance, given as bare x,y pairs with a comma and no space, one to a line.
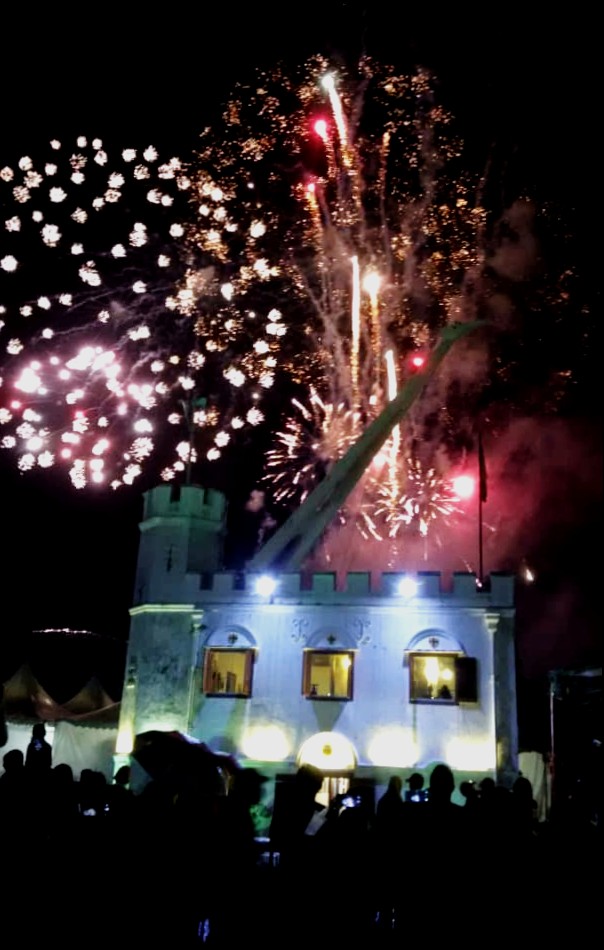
182,535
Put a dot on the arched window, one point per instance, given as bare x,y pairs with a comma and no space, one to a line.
228,663
328,666
439,670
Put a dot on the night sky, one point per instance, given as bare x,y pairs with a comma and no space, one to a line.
524,95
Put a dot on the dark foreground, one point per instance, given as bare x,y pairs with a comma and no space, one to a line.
107,884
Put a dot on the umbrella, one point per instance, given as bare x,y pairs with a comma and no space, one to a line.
181,762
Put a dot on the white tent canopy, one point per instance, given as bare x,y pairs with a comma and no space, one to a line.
79,746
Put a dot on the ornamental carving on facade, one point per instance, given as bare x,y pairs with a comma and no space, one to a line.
300,634
361,627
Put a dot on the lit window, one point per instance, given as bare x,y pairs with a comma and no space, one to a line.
328,674
228,672
442,678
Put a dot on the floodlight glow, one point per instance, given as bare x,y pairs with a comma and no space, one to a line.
266,744
393,747
407,587
266,585
125,740
477,754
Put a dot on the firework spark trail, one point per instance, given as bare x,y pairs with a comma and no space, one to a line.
394,443
356,328
377,239
140,309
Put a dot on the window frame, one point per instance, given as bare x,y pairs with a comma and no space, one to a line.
307,669
248,675
426,700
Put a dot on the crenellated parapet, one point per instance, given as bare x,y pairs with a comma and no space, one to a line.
182,532
186,501
393,588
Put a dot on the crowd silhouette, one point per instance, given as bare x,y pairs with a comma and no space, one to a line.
181,867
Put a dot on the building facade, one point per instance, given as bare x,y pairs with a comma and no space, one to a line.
362,675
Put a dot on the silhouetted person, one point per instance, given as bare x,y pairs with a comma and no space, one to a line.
244,794
294,809
13,789
495,815
235,857
292,816
38,766
92,794
63,796
346,841
416,792
388,832
12,762
122,777
434,835
487,792
441,788
472,796
388,808
120,799
38,757
523,809
18,839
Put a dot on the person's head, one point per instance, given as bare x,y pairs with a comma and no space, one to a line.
395,784
39,730
122,776
468,790
487,787
309,779
63,774
415,782
86,778
442,783
13,760
247,786
522,789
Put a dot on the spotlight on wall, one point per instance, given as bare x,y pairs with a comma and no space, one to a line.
266,585
407,588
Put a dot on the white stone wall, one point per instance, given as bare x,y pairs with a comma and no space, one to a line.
178,613
383,726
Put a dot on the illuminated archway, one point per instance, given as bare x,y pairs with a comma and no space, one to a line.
330,752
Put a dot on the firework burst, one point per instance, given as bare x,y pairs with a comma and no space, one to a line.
321,236
319,434
129,289
381,238
427,496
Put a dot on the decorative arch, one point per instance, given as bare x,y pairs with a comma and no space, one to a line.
231,636
329,638
434,640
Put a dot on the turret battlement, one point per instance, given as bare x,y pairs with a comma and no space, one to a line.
185,501
404,588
